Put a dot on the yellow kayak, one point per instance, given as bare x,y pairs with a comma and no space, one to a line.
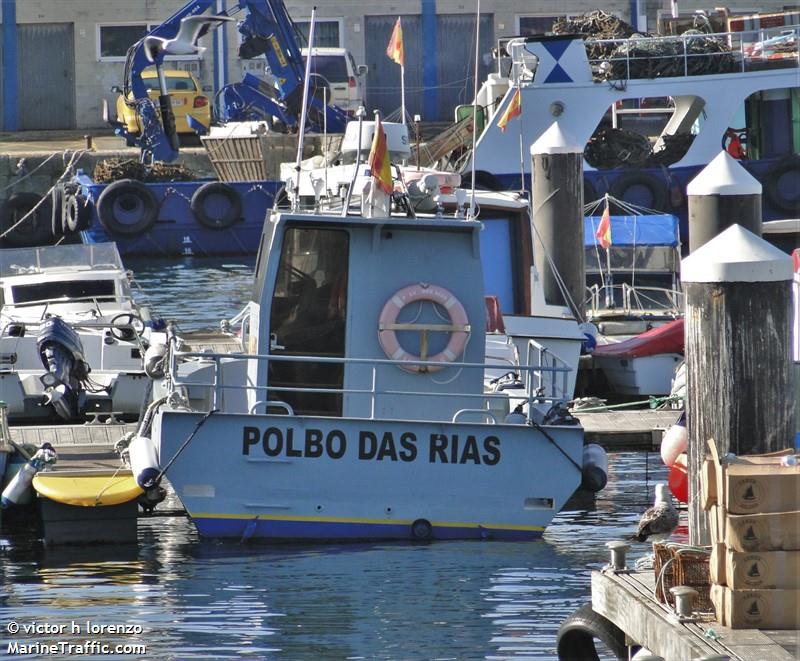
87,489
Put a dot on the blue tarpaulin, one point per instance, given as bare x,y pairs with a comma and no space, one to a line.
655,230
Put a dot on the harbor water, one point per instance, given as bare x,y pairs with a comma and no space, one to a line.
186,598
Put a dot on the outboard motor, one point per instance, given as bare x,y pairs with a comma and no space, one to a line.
61,352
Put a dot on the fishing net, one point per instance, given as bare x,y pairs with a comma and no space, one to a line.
114,169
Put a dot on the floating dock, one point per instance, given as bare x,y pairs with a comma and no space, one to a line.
626,599
627,430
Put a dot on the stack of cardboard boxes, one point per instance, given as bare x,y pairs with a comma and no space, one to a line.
753,505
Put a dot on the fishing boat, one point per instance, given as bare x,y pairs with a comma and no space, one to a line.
72,337
716,92
635,301
361,410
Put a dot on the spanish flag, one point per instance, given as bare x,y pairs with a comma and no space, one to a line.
603,234
514,109
395,48
379,159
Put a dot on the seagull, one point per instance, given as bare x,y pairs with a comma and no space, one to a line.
658,522
185,42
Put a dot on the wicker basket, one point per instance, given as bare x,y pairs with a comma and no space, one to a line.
676,564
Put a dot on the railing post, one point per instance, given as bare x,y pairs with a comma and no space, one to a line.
374,393
217,383
685,57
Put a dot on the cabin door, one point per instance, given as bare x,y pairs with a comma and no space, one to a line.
307,318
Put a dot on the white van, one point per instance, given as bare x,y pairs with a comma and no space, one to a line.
338,69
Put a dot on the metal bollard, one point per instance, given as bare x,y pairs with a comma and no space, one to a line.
89,143
618,549
684,599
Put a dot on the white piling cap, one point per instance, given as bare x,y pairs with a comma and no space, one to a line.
737,255
724,175
555,141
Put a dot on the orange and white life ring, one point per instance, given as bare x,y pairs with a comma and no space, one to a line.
458,327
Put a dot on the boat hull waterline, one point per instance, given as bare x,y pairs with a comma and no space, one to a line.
352,479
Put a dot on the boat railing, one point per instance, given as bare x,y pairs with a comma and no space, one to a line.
552,380
694,53
83,257
632,299
96,301
534,391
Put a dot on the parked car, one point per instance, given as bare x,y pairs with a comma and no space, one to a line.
186,94
337,69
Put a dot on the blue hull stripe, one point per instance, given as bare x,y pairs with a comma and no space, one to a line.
321,530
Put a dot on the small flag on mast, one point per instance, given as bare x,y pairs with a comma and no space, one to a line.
395,48
379,165
603,234
514,110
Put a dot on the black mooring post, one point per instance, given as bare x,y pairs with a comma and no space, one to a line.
740,377
557,172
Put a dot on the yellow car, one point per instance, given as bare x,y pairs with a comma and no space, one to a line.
187,99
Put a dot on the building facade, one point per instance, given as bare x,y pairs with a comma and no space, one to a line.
59,58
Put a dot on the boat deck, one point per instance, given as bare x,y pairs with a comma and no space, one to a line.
627,430
626,599
213,341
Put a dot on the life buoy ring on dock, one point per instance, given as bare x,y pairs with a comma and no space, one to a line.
635,184
780,181
458,327
33,231
216,206
576,636
77,215
127,207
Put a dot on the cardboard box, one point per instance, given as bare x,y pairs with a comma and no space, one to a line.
756,609
757,483
708,484
762,532
762,570
717,521
716,565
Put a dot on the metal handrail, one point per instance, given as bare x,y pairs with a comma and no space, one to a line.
559,365
532,394
595,301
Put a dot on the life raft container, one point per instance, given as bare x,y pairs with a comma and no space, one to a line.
458,326
127,207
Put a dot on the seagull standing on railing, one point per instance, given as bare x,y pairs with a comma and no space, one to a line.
185,42
658,522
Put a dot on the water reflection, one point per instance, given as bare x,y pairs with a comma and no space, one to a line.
202,599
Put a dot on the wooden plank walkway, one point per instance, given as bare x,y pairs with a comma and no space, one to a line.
626,599
638,429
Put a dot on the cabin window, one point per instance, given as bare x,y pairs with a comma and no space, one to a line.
307,318
51,291
498,264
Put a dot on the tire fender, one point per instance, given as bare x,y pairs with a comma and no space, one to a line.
199,206
657,188
576,636
77,215
34,231
57,210
127,207
772,189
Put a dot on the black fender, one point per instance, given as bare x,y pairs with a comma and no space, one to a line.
231,214
127,207
576,636
35,230
57,210
774,193
77,214
659,195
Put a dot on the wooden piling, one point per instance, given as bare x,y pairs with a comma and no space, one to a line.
721,195
740,384
557,172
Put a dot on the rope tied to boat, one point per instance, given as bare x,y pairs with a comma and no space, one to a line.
544,433
188,440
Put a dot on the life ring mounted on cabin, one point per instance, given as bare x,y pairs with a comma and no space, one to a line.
458,327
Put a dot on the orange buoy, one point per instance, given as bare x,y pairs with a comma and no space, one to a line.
678,479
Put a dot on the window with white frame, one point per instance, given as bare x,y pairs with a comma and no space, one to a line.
114,40
327,32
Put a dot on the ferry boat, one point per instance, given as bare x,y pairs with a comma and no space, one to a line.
729,99
362,410
72,337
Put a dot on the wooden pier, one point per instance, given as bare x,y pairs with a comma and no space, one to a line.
626,599
627,430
